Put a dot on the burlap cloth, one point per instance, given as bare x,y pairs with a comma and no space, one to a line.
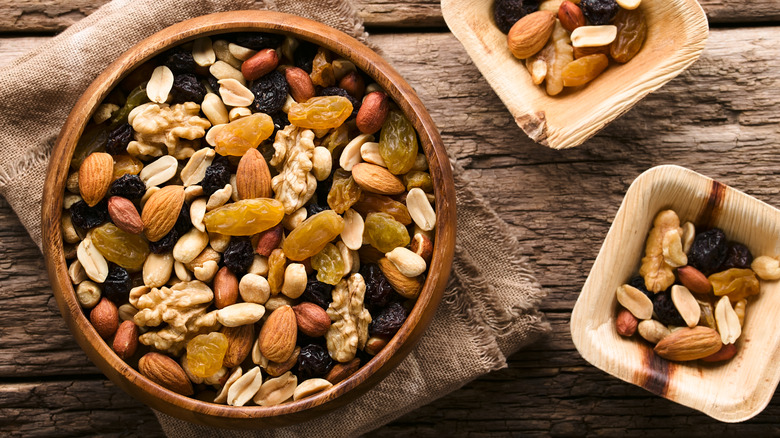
489,309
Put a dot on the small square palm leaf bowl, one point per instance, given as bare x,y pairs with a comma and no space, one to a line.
730,391
676,33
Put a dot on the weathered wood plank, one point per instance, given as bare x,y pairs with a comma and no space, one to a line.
56,15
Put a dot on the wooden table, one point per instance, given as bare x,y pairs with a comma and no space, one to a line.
720,118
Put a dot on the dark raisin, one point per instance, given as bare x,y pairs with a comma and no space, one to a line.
507,12
280,122
86,217
599,12
304,56
737,256
322,190
187,88
270,93
165,244
638,282
388,321
259,40
213,83
180,61
117,285
317,292
128,186
708,251
183,222
238,256
336,91
314,208
313,361
665,311
118,139
217,176
378,290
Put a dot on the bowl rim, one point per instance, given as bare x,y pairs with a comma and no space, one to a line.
371,372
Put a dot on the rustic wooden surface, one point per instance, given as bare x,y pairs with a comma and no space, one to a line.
720,118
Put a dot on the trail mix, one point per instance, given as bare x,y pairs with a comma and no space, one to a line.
248,215
692,291
570,43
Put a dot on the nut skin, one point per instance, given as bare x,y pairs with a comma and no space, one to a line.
689,344
312,319
166,372
126,340
626,323
694,280
225,288
725,353
253,179
341,371
373,112
161,211
124,215
240,340
95,176
269,240
529,35
354,84
423,247
374,345
571,16
279,335
105,318
301,86
260,64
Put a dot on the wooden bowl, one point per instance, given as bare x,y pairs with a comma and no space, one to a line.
677,31
732,391
372,372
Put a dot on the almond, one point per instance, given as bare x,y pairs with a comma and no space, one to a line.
124,215
301,86
529,34
689,344
694,280
262,63
571,16
253,179
105,318
225,288
279,334
164,371
240,340
312,319
422,246
408,287
373,112
626,323
161,211
269,240
354,84
341,371
95,175
375,179
126,340
276,369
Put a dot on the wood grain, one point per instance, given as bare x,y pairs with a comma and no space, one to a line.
55,15
719,118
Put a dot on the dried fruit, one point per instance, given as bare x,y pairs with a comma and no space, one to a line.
243,134
259,40
398,143
385,233
304,55
737,256
313,361
584,70
665,311
86,217
388,321
344,191
205,354
277,262
708,251
507,12
337,91
689,344
323,112
217,176
128,186
125,164
245,217
238,256
317,292
118,139
379,292
321,69
126,250
311,236
187,88
117,285
635,301
657,273
631,33
270,93
418,179
329,264
180,61
599,12
736,283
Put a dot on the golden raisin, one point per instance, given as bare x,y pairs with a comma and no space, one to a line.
322,112
344,192
372,203
385,233
631,33
126,165
398,143
312,235
245,217
584,70
322,70
277,262
205,354
416,178
737,283
126,250
329,264
243,134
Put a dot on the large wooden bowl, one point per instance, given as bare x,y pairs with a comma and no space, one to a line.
731,391
372,372
676,33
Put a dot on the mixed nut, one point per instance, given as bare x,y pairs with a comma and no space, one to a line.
692,291
569,43
248,214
